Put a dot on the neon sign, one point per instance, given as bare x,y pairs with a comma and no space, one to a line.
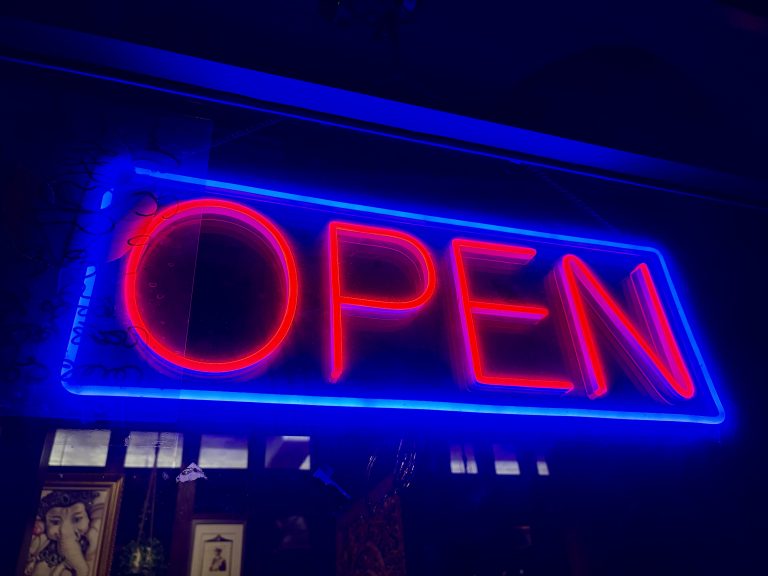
278,298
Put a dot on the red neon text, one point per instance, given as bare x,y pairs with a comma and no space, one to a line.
160,224
642,334
469,307
654,360
341,301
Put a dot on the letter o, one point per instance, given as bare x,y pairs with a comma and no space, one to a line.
160,223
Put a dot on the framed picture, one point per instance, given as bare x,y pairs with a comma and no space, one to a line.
217,547
74,527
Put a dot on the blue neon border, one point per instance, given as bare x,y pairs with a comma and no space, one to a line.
440,406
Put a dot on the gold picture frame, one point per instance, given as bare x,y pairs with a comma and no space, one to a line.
74,525
217,546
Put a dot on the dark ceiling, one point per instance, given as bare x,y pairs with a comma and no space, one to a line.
683,80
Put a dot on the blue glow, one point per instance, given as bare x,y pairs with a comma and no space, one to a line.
404,404
349,402
106,199
78,324
84,302
327,103
380,211
728,182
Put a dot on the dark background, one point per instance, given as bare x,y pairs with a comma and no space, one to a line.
682,81
678,80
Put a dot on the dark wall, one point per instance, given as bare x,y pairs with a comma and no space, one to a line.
681,80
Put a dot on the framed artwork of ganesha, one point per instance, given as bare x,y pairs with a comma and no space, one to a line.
74,528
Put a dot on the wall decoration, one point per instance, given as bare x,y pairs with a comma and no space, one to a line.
74,529
369,536
217,547
145,555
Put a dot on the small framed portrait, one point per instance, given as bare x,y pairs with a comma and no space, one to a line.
74,528
217,547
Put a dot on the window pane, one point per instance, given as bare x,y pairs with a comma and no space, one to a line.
469,454
291,452
141,450
505,461
457,460
542,467
80,448
463,459
223,452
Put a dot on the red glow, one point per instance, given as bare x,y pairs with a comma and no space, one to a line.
158,225
371,235
469,307
658,364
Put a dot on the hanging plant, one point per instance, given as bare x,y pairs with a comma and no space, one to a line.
145,558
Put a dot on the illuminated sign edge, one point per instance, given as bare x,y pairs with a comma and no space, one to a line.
333,401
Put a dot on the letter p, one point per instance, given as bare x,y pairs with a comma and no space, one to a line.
341,300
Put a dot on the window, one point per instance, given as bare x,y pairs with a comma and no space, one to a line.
141,449
463,459
80,448
542,467
223,452
290,452
505,461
